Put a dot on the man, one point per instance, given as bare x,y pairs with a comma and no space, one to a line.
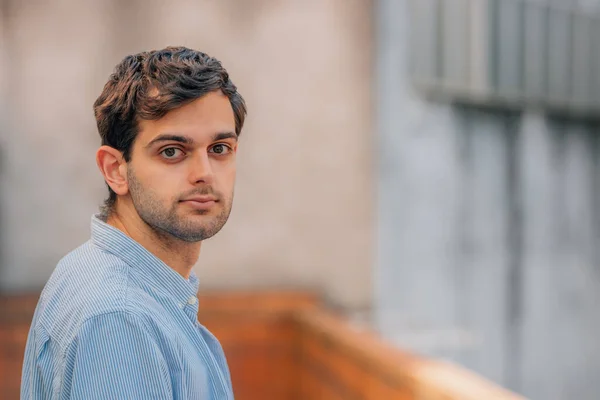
118,317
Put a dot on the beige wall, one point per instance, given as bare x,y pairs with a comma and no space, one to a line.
305,193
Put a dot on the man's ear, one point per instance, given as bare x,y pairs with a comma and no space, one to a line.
113,167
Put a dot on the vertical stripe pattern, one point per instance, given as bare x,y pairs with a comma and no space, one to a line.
115,322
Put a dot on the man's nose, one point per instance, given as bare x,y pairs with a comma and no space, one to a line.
201,170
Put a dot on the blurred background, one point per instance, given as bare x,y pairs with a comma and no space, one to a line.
430,168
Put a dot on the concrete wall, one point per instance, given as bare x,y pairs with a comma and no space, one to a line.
302,214
488,229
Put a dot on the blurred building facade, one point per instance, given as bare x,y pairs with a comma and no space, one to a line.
465,220
488,216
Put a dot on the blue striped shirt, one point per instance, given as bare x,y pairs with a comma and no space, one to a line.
115,322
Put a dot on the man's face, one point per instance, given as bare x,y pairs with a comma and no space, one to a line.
182,169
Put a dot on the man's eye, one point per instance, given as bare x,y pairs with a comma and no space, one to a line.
171,152
220,149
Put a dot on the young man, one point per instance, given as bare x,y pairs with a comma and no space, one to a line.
118,317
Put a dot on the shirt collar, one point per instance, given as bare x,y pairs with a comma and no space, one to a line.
153,271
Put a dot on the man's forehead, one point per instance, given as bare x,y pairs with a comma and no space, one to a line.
194,126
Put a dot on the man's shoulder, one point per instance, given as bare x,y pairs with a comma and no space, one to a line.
85,257
88,282
88,273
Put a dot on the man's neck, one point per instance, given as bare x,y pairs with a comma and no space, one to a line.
177,254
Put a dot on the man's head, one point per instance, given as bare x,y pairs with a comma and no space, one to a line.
169,122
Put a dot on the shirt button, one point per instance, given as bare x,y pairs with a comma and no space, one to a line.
192,300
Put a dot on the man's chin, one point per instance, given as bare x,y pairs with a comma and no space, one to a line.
192,234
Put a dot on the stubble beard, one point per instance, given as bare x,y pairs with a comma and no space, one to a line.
197,226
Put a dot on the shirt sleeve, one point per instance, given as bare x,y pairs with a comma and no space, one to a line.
115,357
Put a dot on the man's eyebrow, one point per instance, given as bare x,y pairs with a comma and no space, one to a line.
225,135
170,137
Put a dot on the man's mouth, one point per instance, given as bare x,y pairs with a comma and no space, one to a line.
203,202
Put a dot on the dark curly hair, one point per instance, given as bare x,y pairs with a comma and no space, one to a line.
147,85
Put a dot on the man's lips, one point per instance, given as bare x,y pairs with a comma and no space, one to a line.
200,202
201,199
